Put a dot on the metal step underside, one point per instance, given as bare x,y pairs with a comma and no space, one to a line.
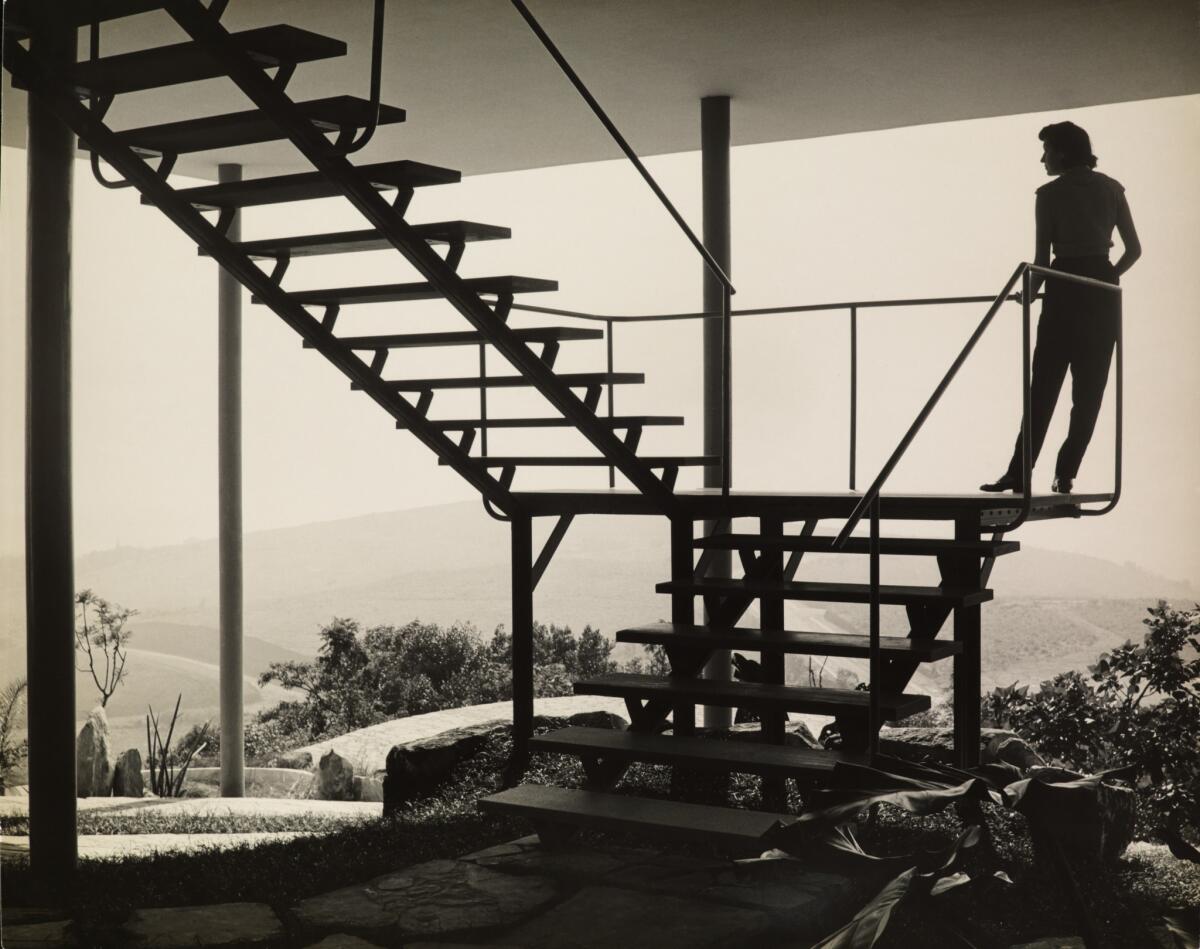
793,642
512,382
312,185
420,290
541,334
251,127
369,239
833,592
615,421
753,695
574,461
907,546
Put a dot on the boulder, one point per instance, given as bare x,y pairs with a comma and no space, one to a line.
1093,821
93,772
419,767
1011,749
916,742
127,775
293,760
335,778
598,719
368,787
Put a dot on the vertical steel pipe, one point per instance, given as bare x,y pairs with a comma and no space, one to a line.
608,337
522,637
853,395
483,426
1026,395
876,659
229,492
715,190
49,540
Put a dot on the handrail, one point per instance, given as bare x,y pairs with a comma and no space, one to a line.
1023,272
617,137
759,311
714,268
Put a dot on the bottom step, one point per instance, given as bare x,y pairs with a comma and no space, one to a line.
722,826
709,754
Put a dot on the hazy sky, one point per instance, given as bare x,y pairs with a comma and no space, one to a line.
929,211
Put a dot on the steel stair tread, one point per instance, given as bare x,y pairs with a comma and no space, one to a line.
577,461
512,382
616,421
251,127
191,62
914,546
795,642
369,239
834,592
16,12
539,334
767,697
740,757
402,292
723,826
311,185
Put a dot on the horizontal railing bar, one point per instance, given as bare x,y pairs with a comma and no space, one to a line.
1073,278
763,311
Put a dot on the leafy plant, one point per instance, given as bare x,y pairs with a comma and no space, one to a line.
165,779
1139,704
12,713
102,635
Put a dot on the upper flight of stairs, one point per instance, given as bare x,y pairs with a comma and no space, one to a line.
260,62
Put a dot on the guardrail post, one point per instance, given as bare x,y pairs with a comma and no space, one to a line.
608,338
876,660
853,396
1026,395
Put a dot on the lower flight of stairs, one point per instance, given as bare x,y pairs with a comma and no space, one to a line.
660,703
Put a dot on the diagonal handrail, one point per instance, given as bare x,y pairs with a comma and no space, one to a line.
727,288
1024,273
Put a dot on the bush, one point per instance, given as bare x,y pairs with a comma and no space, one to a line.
362,678
1140,705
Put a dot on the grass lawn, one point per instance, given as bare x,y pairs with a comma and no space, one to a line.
1126,899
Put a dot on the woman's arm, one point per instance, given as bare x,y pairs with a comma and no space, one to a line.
1041,243
1129,238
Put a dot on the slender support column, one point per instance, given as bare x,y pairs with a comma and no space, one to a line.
229,489
683,608
771,616
714,158
522,638
967,628
49,541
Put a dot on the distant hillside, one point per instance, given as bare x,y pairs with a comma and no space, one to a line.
443,564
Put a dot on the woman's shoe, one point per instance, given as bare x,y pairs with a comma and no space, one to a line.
1006,483
1062,485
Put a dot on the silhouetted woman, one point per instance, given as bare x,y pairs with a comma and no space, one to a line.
1075,216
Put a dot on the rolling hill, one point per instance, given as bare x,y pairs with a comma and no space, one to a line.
1053,610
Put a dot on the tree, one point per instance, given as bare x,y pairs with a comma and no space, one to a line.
102,635
1139,705
12,715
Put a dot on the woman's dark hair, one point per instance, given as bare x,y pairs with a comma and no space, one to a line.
1071,142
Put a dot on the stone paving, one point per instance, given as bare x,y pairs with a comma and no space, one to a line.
513,895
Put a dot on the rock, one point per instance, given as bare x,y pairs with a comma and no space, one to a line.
127,775
346,941
599,917
335,778
1094,822
93,773
49,935
796,734
916,742
598,719
419,767
293,760
1012,749
368,787
222,924
427,901
1054,942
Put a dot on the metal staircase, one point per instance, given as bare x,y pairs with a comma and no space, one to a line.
324,131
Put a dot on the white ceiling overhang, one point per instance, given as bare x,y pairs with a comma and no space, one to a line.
483,96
